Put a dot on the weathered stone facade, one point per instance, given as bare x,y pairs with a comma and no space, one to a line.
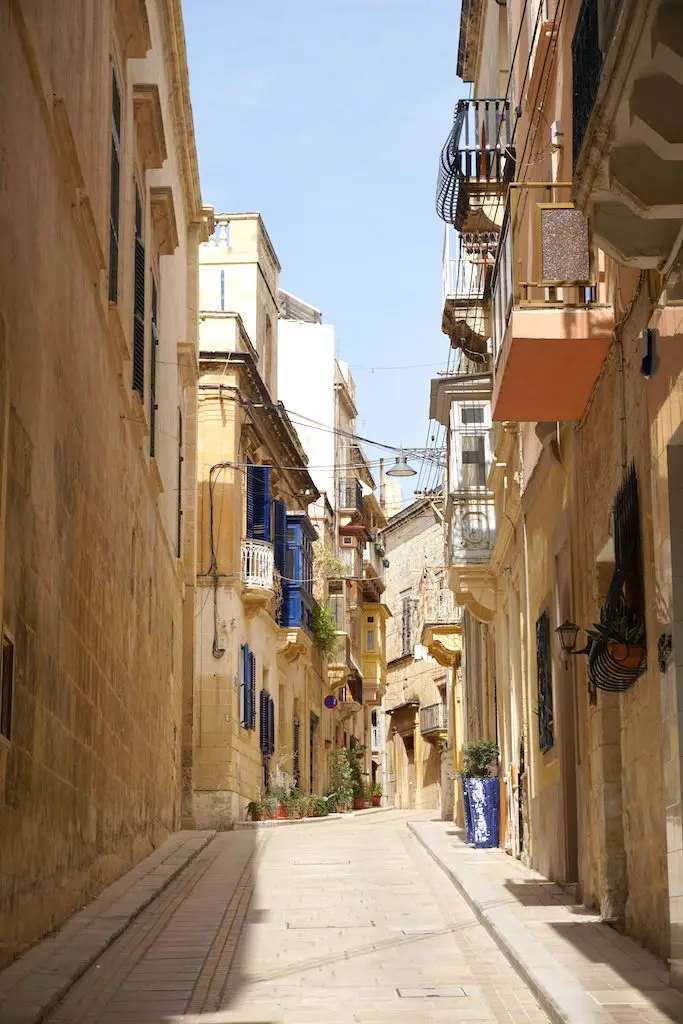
93,578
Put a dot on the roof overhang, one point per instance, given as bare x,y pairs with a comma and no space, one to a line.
460,387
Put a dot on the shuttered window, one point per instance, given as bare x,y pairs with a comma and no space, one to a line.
114,188
546,728
280,535
153,372
258,502
139,303
247,688
296,757
407,626
179,504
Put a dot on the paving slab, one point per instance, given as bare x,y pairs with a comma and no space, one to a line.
35,982
580,969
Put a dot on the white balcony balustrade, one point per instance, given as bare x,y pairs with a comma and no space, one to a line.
257,565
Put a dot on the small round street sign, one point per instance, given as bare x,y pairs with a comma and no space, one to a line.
330,701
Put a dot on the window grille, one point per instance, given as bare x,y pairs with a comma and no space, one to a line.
6,686
545,683
139,303
153,372
114,188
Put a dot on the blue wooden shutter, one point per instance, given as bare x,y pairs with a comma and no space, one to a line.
280,538
244,685
263,721
252,691
251,480
261,502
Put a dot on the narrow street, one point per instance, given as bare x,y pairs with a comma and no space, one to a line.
340,921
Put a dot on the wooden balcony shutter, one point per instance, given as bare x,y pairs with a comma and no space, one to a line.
153,373
258,502
280,535
139,304
114,188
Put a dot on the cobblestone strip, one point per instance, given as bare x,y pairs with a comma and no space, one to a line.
87,1000
35,983
211,984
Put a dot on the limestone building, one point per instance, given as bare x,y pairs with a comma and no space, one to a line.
318,389
101,219
423,654
582,342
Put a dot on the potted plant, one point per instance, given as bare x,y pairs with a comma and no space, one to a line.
341,784
481,793
255,810
622,630
377,793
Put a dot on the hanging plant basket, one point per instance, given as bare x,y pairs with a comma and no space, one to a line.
615,667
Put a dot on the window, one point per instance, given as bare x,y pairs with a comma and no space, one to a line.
6,683
473,462
371,618
139,302
296,754
472,414
179,505
266,732
247,688
153,372
371,640
347,541
407,624
258,502
545,684
114,188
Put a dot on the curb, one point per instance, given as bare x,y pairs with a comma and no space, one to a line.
40,984
557,990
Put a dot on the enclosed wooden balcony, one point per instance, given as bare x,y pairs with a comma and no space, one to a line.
434,722
551,326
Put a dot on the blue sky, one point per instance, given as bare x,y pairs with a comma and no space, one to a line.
328,117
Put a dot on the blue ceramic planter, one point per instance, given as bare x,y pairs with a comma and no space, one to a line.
482,806
468,815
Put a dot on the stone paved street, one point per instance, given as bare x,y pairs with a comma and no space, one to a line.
340,921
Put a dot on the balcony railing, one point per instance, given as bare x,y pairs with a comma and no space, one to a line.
257,565
433,718
545,258
586,72
477,156
350,494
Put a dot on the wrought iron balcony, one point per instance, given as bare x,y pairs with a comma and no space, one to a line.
257,565
433,719
477,159
350,495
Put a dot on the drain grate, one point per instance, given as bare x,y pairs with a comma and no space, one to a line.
432,992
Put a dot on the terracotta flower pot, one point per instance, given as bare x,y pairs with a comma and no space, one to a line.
280,812
628,655
376,800
358,803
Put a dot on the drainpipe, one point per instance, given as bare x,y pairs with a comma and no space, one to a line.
382,488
